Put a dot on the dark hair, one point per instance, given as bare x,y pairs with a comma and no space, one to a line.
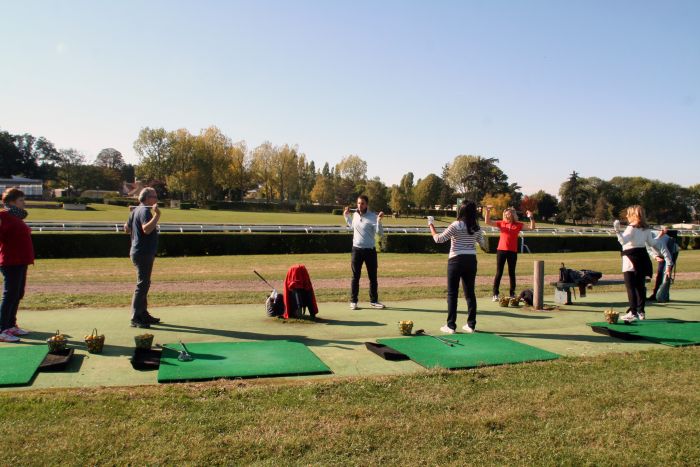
12,194
364,198
467,214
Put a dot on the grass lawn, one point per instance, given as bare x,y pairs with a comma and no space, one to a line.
635,409
77,272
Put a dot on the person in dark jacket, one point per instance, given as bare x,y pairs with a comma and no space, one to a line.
16,254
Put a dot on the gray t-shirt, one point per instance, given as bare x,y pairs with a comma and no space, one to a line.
142,244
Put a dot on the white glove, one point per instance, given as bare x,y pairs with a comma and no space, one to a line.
431,220
616,225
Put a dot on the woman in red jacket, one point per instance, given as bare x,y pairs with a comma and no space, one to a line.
16,253
507,250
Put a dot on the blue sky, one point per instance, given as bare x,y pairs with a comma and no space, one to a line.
605,88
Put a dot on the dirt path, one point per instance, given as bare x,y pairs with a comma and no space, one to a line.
256,286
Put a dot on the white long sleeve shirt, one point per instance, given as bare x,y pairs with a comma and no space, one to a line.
635,237
365,227
462,242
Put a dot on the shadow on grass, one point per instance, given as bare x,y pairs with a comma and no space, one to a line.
245,335
563,337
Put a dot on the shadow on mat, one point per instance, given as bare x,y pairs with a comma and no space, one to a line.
563,337
245,335
342,322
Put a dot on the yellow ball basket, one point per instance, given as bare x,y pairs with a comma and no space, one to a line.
504,301
95,342
57,342
406,327
144,341
611,316
514,302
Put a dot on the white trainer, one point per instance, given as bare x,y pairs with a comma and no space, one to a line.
641,316
447,330
353,305
377,305
7,337
468,329
17,331
629,317
495,298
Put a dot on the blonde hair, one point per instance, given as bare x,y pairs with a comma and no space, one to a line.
635,214
514,215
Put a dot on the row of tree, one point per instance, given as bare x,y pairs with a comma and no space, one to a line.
211,166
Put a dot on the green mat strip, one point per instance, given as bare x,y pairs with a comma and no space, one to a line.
472,350
214,360
671,332
18,363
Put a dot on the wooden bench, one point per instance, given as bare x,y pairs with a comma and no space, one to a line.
562,292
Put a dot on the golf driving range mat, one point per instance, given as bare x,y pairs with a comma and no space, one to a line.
212,360
470,350
19,363
672,332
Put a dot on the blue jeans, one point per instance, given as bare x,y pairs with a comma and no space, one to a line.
144,268
12,293
461,268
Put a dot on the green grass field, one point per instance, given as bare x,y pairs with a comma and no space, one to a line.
630,409
79,273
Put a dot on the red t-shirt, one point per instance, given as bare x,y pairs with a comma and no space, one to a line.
16,248
509,235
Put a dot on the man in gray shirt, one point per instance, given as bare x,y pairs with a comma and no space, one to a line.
143,228
365,224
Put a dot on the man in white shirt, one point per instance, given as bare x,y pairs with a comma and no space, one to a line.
366,225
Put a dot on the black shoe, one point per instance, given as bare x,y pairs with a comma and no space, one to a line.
151,319
651,298
137,323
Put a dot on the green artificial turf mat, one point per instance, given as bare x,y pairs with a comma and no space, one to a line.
472,350
19,363
672,332
239,360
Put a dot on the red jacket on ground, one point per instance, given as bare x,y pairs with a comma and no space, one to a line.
298,278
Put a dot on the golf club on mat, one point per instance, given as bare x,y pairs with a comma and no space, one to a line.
444,340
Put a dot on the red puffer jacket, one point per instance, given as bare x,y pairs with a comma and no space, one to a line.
298,278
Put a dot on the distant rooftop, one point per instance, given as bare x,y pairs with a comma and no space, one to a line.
16,179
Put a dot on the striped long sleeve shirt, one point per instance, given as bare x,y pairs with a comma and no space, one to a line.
463,243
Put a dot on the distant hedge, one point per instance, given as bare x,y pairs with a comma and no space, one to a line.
95,245
268,207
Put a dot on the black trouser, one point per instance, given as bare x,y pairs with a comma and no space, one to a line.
636,291
144,267
369,257
461,268
501,257
12,293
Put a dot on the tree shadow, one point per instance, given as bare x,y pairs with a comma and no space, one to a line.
509,314
342,322
598,339
246,335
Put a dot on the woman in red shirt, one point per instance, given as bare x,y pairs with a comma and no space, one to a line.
16,253
507,250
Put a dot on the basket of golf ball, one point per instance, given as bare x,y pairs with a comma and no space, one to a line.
504,301
514,302
144,341
611,316
405,327
57,342
95,342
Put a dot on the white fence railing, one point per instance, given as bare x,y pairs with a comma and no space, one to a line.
243,228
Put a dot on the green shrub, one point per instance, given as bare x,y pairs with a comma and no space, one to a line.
337,212
120,201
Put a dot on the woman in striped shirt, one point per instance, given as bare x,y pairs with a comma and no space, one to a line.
463,234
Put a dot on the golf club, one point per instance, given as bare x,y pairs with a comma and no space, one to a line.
263,279
444,340
182,355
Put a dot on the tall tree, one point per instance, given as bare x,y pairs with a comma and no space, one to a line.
475,176
575,198
406,186
378,194
262,168
110,158
11,162
352,168
323,191
398,201
547,204
427,192
153,146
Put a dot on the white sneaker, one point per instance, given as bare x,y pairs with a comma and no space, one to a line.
629,317
641,316
7,337
447,330
17,331
353,305
468,329
495,298
377,305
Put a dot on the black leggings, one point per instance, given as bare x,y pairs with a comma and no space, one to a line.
635,284
501,257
